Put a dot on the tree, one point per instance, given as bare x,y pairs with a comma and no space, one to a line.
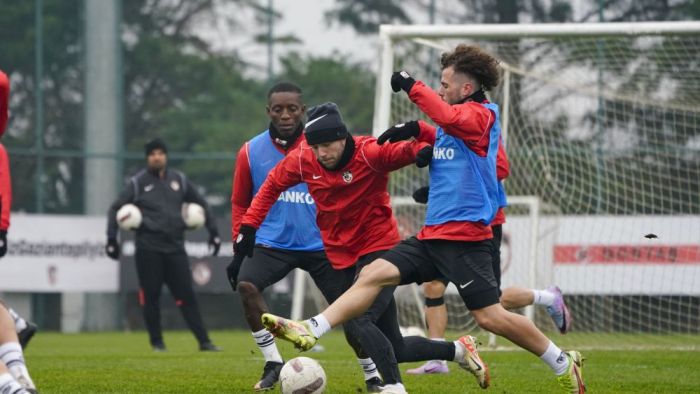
334,78
175,86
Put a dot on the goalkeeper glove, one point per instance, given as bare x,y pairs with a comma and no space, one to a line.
214,243
112,249
3,242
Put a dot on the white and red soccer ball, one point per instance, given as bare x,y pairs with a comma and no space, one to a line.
302,375
129,216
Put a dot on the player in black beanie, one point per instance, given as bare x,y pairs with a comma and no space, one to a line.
325,124
154,144
327,135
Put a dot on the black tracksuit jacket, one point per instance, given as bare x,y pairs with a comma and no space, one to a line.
160,202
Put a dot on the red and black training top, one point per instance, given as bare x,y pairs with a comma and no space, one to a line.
471,122
4,101
353,206
5,184
242,188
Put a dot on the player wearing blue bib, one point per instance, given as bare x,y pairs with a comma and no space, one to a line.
456,241
289,237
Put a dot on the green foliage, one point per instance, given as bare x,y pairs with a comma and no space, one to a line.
365,16
335,78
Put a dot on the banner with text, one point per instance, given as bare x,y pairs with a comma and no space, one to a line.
57,253
645,255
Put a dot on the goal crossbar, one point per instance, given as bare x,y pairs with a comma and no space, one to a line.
389,33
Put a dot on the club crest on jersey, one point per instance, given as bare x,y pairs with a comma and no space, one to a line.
174,185
347,176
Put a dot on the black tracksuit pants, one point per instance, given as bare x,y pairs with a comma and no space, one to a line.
378,333
173,269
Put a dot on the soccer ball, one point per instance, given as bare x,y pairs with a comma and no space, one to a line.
193,215
302,375
129,217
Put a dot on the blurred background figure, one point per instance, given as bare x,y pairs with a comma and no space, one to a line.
159,193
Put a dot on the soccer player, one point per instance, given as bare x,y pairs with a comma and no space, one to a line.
14,376
347,177
456,241
289,238
510,298
160,256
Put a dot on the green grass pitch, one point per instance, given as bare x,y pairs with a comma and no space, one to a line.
124,363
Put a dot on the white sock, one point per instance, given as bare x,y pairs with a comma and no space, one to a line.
543,297
459,351
319,325
11,354
9,385
368,368
21,375
556,359
20,324
267,345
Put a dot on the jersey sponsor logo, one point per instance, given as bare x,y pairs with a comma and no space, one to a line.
148,188
347,176
440,153
296,197
174,185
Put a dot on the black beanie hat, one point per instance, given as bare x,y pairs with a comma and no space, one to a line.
325,124
154,144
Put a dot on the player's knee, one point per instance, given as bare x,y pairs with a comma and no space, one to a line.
490,318
379,273
486,322
434,289
507,300
247,289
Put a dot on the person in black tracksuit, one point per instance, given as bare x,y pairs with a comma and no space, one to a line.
160,255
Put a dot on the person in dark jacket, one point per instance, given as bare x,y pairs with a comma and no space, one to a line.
159,193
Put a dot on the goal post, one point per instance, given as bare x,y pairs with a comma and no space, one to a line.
602,127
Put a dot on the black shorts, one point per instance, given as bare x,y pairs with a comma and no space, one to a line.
497,238
268,266
469,265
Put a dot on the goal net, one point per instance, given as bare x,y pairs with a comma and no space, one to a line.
602,128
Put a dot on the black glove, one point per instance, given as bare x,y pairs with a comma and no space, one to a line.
3,242
400,132
424,156
232,270
401,80
112,249
421,195
245,242
214,243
